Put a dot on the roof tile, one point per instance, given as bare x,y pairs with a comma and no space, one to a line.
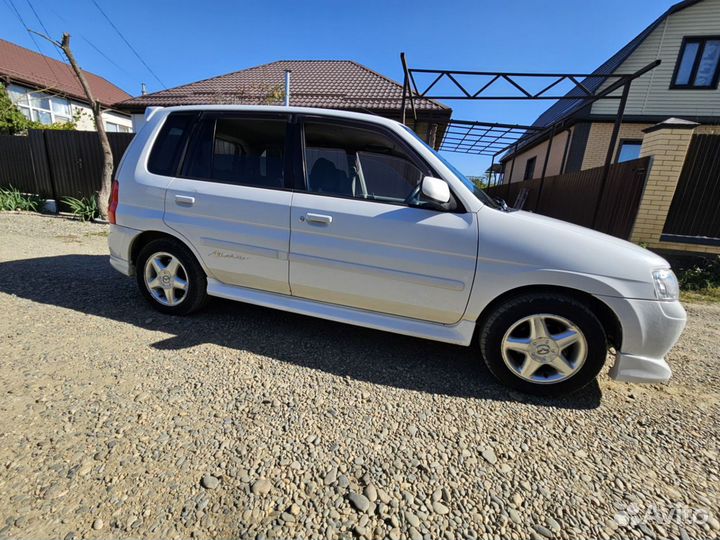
338,84
25,66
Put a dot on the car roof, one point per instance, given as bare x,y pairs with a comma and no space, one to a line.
280,109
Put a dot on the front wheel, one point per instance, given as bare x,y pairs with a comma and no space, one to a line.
543,344
170,278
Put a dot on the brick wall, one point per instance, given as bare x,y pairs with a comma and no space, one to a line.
668,147
599,140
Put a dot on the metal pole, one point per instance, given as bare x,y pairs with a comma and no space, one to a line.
287,87
611,149
544,169
405,85
565,151
512,163
547,153
490,176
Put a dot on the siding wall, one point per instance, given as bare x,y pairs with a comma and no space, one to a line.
555,160
650,94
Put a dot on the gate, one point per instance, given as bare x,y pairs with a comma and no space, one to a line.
576,196
694,215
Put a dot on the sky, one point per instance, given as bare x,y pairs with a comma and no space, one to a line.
181,41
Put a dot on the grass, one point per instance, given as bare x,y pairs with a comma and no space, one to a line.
86,209
699,278
12,199
711,294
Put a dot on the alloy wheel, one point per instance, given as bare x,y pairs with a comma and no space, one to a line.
166,278
544,349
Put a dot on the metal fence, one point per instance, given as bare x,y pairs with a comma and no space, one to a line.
56,164
694,214
579,196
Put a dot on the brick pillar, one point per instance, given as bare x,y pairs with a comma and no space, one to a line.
666,144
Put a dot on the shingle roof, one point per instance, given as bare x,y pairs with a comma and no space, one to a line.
335,84
39,71
564,108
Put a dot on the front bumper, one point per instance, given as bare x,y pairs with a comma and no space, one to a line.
650,329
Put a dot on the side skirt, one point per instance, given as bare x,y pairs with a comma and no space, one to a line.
459,334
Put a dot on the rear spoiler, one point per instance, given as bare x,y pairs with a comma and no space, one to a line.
150,112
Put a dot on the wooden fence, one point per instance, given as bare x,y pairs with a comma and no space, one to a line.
576,196
56,164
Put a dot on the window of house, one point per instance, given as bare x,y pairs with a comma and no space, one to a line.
40,107
357,162
629,149
529,168
698,64
246,151
112,127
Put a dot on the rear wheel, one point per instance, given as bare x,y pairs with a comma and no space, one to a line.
170,277
543,344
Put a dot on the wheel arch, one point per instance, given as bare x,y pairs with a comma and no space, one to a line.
145,237
607,317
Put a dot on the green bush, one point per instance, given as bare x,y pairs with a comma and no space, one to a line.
13,199
703,274
85,208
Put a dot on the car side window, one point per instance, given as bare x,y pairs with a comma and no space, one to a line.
244,151
169,144
356,162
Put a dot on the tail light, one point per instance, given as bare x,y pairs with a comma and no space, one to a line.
113,202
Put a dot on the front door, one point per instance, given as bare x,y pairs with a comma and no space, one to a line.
359,237
230,200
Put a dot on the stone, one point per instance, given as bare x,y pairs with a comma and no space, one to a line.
371,493
261,487
208,481
440,508
489,455
359,502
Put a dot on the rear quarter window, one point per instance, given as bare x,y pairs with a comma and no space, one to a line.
169,144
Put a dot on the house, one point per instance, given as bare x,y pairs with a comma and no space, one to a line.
47,91
686,38
333,84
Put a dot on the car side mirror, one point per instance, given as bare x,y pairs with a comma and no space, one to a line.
436,189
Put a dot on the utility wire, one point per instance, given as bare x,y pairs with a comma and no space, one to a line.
128,44
87,40
57,53
14,8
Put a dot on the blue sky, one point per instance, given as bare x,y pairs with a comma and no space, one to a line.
185,41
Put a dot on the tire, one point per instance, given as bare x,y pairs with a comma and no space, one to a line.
516,353
165,252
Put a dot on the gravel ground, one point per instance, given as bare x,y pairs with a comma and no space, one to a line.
246,422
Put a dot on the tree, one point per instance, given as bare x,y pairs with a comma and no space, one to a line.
12,121
275,95
107,170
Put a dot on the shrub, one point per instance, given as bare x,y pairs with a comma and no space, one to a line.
13,199
85,208
702,274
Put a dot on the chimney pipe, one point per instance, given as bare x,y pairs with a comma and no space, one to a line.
287,87
143,89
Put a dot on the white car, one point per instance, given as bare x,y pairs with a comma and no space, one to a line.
351,217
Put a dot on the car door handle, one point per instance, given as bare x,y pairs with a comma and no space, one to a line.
318,218
184,200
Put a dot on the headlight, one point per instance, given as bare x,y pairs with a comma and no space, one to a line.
666,284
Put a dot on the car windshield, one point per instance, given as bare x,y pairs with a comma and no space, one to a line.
479,193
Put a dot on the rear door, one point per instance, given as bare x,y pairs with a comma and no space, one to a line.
230,199
356,239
